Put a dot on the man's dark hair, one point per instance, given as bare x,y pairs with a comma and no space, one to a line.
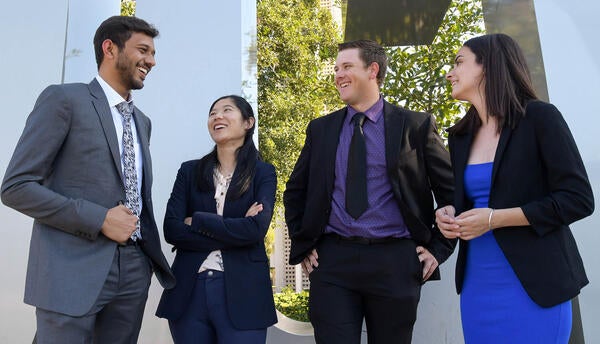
119,29
369,52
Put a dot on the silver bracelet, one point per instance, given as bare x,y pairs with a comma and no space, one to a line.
490,219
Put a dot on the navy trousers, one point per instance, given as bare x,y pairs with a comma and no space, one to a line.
206,319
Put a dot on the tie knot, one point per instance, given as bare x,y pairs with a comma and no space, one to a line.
358,119
125,108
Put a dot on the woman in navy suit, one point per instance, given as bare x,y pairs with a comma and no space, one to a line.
216,219
519,183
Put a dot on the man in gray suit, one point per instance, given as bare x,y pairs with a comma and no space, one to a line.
82,171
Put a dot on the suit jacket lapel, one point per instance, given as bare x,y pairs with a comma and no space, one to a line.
330,144
103,110
460,151
394,131
142,132
502,143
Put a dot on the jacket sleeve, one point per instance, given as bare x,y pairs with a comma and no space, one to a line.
294,201
176,232
242,231
23,187
441,180
294,196
570,197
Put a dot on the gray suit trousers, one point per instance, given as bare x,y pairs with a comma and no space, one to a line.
115,317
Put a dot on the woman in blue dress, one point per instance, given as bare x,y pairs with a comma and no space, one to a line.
519,183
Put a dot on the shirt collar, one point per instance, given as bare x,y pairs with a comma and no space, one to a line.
112,96
373,113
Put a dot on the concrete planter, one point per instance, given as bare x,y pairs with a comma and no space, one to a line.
295,327
290,331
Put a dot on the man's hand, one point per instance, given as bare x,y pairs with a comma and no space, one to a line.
446,222
428,262
310,262
119,224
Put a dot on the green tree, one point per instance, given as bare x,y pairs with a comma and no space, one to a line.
291,304
416,75
128,8
296,39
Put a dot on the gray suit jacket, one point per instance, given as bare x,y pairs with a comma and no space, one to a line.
65,173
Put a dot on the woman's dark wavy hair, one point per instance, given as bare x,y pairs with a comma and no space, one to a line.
246,157
508,86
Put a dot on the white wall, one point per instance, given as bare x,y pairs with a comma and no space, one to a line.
32,57
84,18
438,316
569,39
199,58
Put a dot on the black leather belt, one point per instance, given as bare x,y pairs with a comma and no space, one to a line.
363,240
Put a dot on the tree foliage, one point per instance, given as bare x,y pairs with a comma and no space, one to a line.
296,39
128,8
291,304
416,74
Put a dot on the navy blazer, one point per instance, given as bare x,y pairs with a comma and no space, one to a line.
241,240
536,167
418,169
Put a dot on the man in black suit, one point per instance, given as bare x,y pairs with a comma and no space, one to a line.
359,207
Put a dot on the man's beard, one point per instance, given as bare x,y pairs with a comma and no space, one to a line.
127,73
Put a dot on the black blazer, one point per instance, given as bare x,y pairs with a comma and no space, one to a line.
241,241
537,167
417,162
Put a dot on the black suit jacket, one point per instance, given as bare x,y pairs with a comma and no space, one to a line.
537,167
241,241
417,163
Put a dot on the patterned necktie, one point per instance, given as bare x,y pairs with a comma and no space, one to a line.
129,169
356,178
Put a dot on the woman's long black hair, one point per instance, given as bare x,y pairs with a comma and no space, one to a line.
508,86
246,157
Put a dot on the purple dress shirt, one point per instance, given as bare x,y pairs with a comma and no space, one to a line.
382,218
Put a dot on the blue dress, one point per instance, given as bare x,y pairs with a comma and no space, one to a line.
494,306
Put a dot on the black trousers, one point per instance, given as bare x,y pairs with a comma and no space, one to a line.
380,283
